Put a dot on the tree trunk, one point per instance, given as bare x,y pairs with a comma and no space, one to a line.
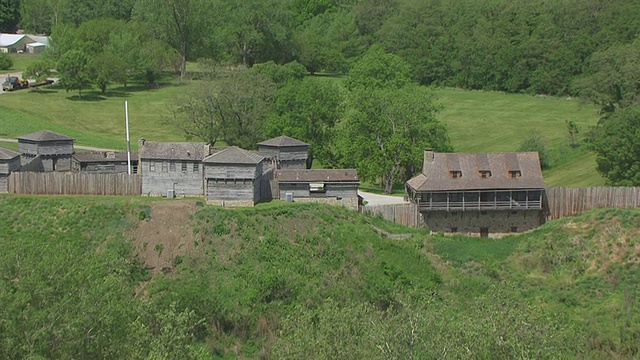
310,160
183,62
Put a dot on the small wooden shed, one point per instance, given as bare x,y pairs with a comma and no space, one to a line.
9,162
233,177
331,186
287,152
52,149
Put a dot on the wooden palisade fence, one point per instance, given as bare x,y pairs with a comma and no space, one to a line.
566,201
74,183
405,214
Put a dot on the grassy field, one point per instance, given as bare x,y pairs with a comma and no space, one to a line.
477,121
21,62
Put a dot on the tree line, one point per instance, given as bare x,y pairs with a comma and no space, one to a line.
514,46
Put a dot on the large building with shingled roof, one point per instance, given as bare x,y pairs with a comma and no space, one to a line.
479,193
171,167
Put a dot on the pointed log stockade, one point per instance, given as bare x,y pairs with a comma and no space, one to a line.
74,184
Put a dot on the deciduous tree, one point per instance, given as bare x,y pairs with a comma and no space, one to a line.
74,68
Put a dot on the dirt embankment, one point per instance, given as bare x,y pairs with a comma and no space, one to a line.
165,234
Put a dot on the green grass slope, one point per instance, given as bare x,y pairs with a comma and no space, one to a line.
290,281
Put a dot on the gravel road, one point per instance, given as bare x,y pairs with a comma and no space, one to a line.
376,199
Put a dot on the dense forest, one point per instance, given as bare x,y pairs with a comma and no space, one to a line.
516,46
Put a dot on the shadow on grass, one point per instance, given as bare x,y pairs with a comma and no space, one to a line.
87,97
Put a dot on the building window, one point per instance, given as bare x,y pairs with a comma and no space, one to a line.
184,166
196,168
514,212
172,166
514,229
152,167
454,229
164,166
485,174
455,174
483,213
513,174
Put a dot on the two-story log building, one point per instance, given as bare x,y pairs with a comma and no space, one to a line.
479,193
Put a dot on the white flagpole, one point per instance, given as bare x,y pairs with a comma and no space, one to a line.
126,111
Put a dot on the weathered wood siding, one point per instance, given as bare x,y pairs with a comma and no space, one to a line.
165,177
46,148
233,189
4,183
289,157
9,166
566,201
106,168
232,171
301,190
54,183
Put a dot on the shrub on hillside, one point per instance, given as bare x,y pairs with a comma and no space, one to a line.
534,142
5,61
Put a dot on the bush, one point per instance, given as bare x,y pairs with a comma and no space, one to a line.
534,142
5,61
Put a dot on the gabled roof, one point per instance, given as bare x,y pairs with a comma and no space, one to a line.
234,155
173,150
44,135
6,154
39,39
283,141
438,167
317,175
106,156
10,39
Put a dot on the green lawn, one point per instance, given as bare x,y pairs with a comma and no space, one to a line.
483,121
21,61
477,121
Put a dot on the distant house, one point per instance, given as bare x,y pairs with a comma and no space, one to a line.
335,186
171,166
106,162
233,177
479,193
9,162
46,151
15,43
288,153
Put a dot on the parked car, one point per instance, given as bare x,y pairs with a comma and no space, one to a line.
14,83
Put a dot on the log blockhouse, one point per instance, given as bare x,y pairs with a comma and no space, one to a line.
233,177
51,150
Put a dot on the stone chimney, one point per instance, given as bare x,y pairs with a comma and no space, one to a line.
429,155
141,142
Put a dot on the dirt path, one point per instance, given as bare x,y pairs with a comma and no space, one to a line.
165,234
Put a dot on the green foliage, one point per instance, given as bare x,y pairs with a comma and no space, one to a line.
232,108
535,142
615,141
74,69
5,61
308,110
9,16
378,69
282,74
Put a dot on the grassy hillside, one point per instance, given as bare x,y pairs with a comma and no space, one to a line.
477,121
117,277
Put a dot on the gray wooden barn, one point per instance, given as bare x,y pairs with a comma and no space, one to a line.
233,177
9,162
334,186
51,151
288,153
479,193
171,167
105,162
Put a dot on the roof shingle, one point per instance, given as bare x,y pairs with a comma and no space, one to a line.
44,135
172,151
6,154
437,168
317,175
283,141
234,155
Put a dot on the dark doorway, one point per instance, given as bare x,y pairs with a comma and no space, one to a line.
484,232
